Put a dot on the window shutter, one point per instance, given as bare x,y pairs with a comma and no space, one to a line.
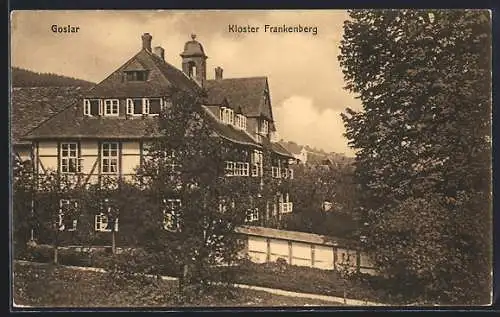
86,107
100,107
145,106
130,106
98,222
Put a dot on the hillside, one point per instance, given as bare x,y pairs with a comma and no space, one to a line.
314,154
26,78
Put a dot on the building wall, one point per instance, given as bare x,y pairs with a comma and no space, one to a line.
262,249
47,157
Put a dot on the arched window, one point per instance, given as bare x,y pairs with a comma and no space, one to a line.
192,69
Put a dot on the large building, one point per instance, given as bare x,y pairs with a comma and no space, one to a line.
105,131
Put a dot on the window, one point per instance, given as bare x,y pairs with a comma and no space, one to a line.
134,106
241,169
256,163
227,115
155,106
264,127
275,172
229,168
67,215
70,161
252,215
91,107
136,75
103,225
237,168
286,207
109,158
111,107
171,208
171,161
241,122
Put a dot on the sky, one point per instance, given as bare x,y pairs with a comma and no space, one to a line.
305,78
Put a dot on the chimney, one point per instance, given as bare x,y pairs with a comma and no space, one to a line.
146,42
160,52
218,72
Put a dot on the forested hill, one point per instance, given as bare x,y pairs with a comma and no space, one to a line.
26,78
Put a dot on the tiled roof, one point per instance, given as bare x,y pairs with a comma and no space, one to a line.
276,148
30,106
70,123
162,79
245,92
229,132
291,147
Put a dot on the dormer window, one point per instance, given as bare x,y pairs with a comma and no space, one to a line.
227,115
91,107
136,75
241,122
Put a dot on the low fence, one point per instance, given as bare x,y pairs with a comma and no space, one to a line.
303,249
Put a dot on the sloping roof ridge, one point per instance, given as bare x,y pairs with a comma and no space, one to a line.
114,71
70,105
158,59
237,78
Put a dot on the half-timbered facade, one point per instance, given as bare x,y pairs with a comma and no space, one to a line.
106,131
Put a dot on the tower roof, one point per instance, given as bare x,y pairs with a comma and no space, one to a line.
193,48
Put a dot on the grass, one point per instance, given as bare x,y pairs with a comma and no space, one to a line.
45,285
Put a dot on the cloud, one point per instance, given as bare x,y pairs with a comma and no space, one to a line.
298,120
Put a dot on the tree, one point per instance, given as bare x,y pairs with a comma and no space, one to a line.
192,207
311,187
56,208
22,191
423,145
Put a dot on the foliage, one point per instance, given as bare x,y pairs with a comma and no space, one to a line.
310,188
22,191
186,162
423,145
26,78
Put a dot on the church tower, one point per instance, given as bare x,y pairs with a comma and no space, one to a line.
194,61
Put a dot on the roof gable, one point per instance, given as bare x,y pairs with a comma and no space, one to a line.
249,93
162,78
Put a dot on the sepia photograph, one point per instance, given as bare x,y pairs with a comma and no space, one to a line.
166,159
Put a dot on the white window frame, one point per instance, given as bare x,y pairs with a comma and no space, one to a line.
64,160
252,215
264,128
227,115
147,106
101,223
131,108
60,222
86,107
111,103
87,111
275,172
257,163
286,207
110,157
229,168
171,162
171,215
